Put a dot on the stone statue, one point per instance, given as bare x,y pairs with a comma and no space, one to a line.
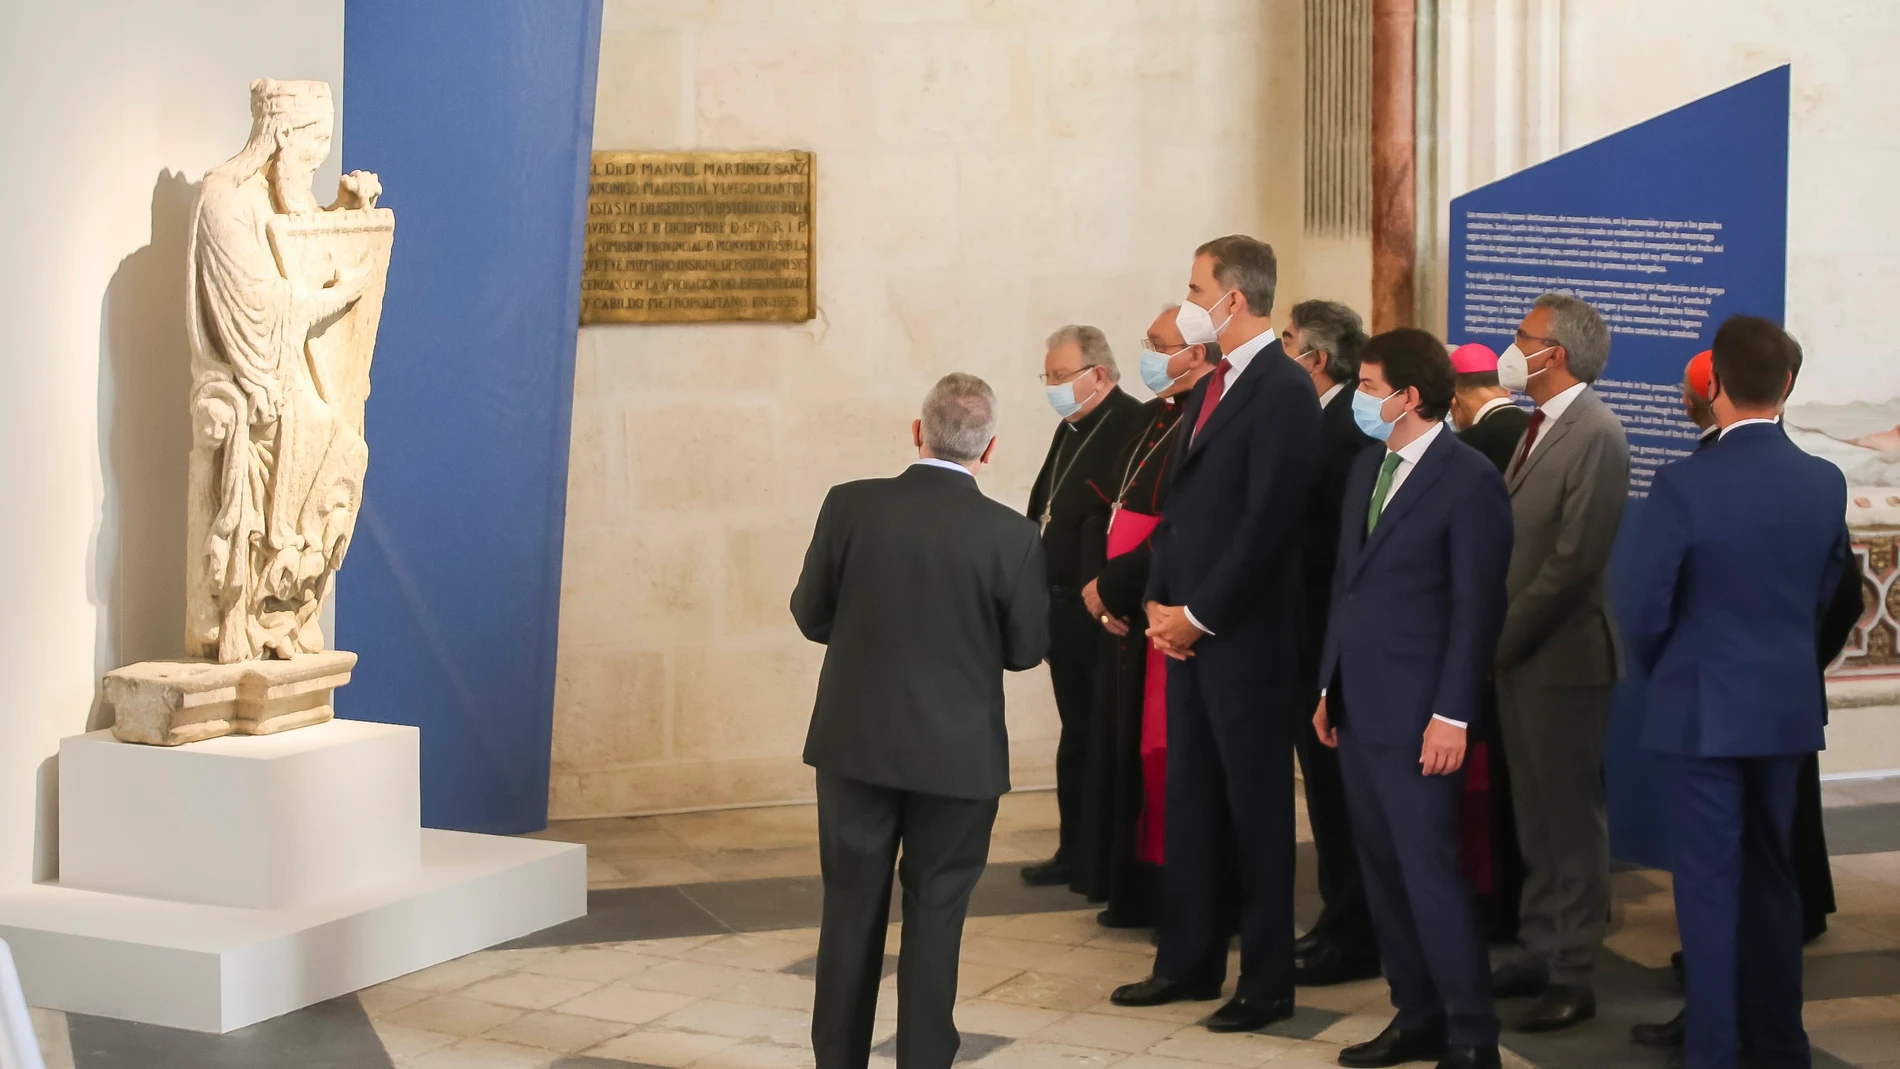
283,306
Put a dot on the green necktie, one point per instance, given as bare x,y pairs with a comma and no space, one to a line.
1380,489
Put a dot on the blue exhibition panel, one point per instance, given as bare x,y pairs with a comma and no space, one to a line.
1668,228
478,116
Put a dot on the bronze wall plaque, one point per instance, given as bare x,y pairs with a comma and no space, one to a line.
698,237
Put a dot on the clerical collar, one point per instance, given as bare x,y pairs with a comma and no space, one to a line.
1095,415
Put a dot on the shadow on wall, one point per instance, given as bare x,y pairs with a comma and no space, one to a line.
144,442
137,585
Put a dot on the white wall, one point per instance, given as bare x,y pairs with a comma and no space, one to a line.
110,111
1627,60
987,171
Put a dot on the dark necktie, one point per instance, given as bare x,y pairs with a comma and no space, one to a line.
1214,391
1530,439
1381,489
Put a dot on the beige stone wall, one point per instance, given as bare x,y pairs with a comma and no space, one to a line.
988,170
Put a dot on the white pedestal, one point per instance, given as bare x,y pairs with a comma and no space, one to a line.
255,821
218,968
217,884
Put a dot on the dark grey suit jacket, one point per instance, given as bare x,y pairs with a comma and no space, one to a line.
925,592
1566,501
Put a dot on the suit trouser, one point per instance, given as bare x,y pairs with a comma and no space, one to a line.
946,844
1813,873
1553,739
1346,916
1075,643
1431,942
1737,905
1229,830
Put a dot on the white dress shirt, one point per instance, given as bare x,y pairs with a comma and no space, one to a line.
1243,355
1744,423
1237,362
947,465
1553,411
1327,397
1408,459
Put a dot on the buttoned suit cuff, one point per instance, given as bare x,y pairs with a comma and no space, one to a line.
1198,626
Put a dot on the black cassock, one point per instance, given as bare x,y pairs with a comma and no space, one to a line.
1812,872
1107,869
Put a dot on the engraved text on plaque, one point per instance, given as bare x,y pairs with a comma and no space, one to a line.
683,237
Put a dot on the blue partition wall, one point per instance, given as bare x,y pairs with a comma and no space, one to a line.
1668,227
478,116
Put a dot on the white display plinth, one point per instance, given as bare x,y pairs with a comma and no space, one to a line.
175,846
259,821
218,968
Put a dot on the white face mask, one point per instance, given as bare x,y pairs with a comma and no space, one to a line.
1514,368
1197,324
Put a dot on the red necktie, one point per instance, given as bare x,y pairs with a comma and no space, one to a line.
1530,438
1214,391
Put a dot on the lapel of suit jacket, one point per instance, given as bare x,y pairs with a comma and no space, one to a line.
1232,398
1416,486
1550,435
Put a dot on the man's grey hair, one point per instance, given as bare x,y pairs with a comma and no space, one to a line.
1094,346
959,418
1580,329
1248,265
1333,329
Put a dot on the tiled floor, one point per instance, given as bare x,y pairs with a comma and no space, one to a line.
779,841
698,946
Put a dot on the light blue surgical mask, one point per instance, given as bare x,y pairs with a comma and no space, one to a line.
1154,370
1062,399
1369,413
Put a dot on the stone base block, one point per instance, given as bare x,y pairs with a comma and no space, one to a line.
168,703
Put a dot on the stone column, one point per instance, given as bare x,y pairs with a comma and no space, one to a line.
1393,164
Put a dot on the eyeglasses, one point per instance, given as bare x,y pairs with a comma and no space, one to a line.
1060,377
1164,350
1523,337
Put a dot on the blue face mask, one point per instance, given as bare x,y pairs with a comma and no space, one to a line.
1062,399
1367,413
1154,370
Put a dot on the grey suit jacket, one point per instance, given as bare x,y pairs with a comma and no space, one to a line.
1566,502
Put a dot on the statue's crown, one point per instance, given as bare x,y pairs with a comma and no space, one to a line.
298,102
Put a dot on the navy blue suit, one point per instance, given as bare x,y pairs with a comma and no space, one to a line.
1417,608
1228,549
1745,548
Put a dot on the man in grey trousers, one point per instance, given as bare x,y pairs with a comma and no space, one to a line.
1558,659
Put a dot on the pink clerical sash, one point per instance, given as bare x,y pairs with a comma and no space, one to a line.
1126,531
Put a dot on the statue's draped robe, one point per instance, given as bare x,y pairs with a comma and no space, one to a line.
287,472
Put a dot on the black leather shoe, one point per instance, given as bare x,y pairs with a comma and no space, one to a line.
1156,991
1658,1035
1244,1013
1395,1046
1309,942
1054,872
1331,963
1518,979
1559,1007
1470,1058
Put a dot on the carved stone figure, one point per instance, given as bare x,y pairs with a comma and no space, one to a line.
283,306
